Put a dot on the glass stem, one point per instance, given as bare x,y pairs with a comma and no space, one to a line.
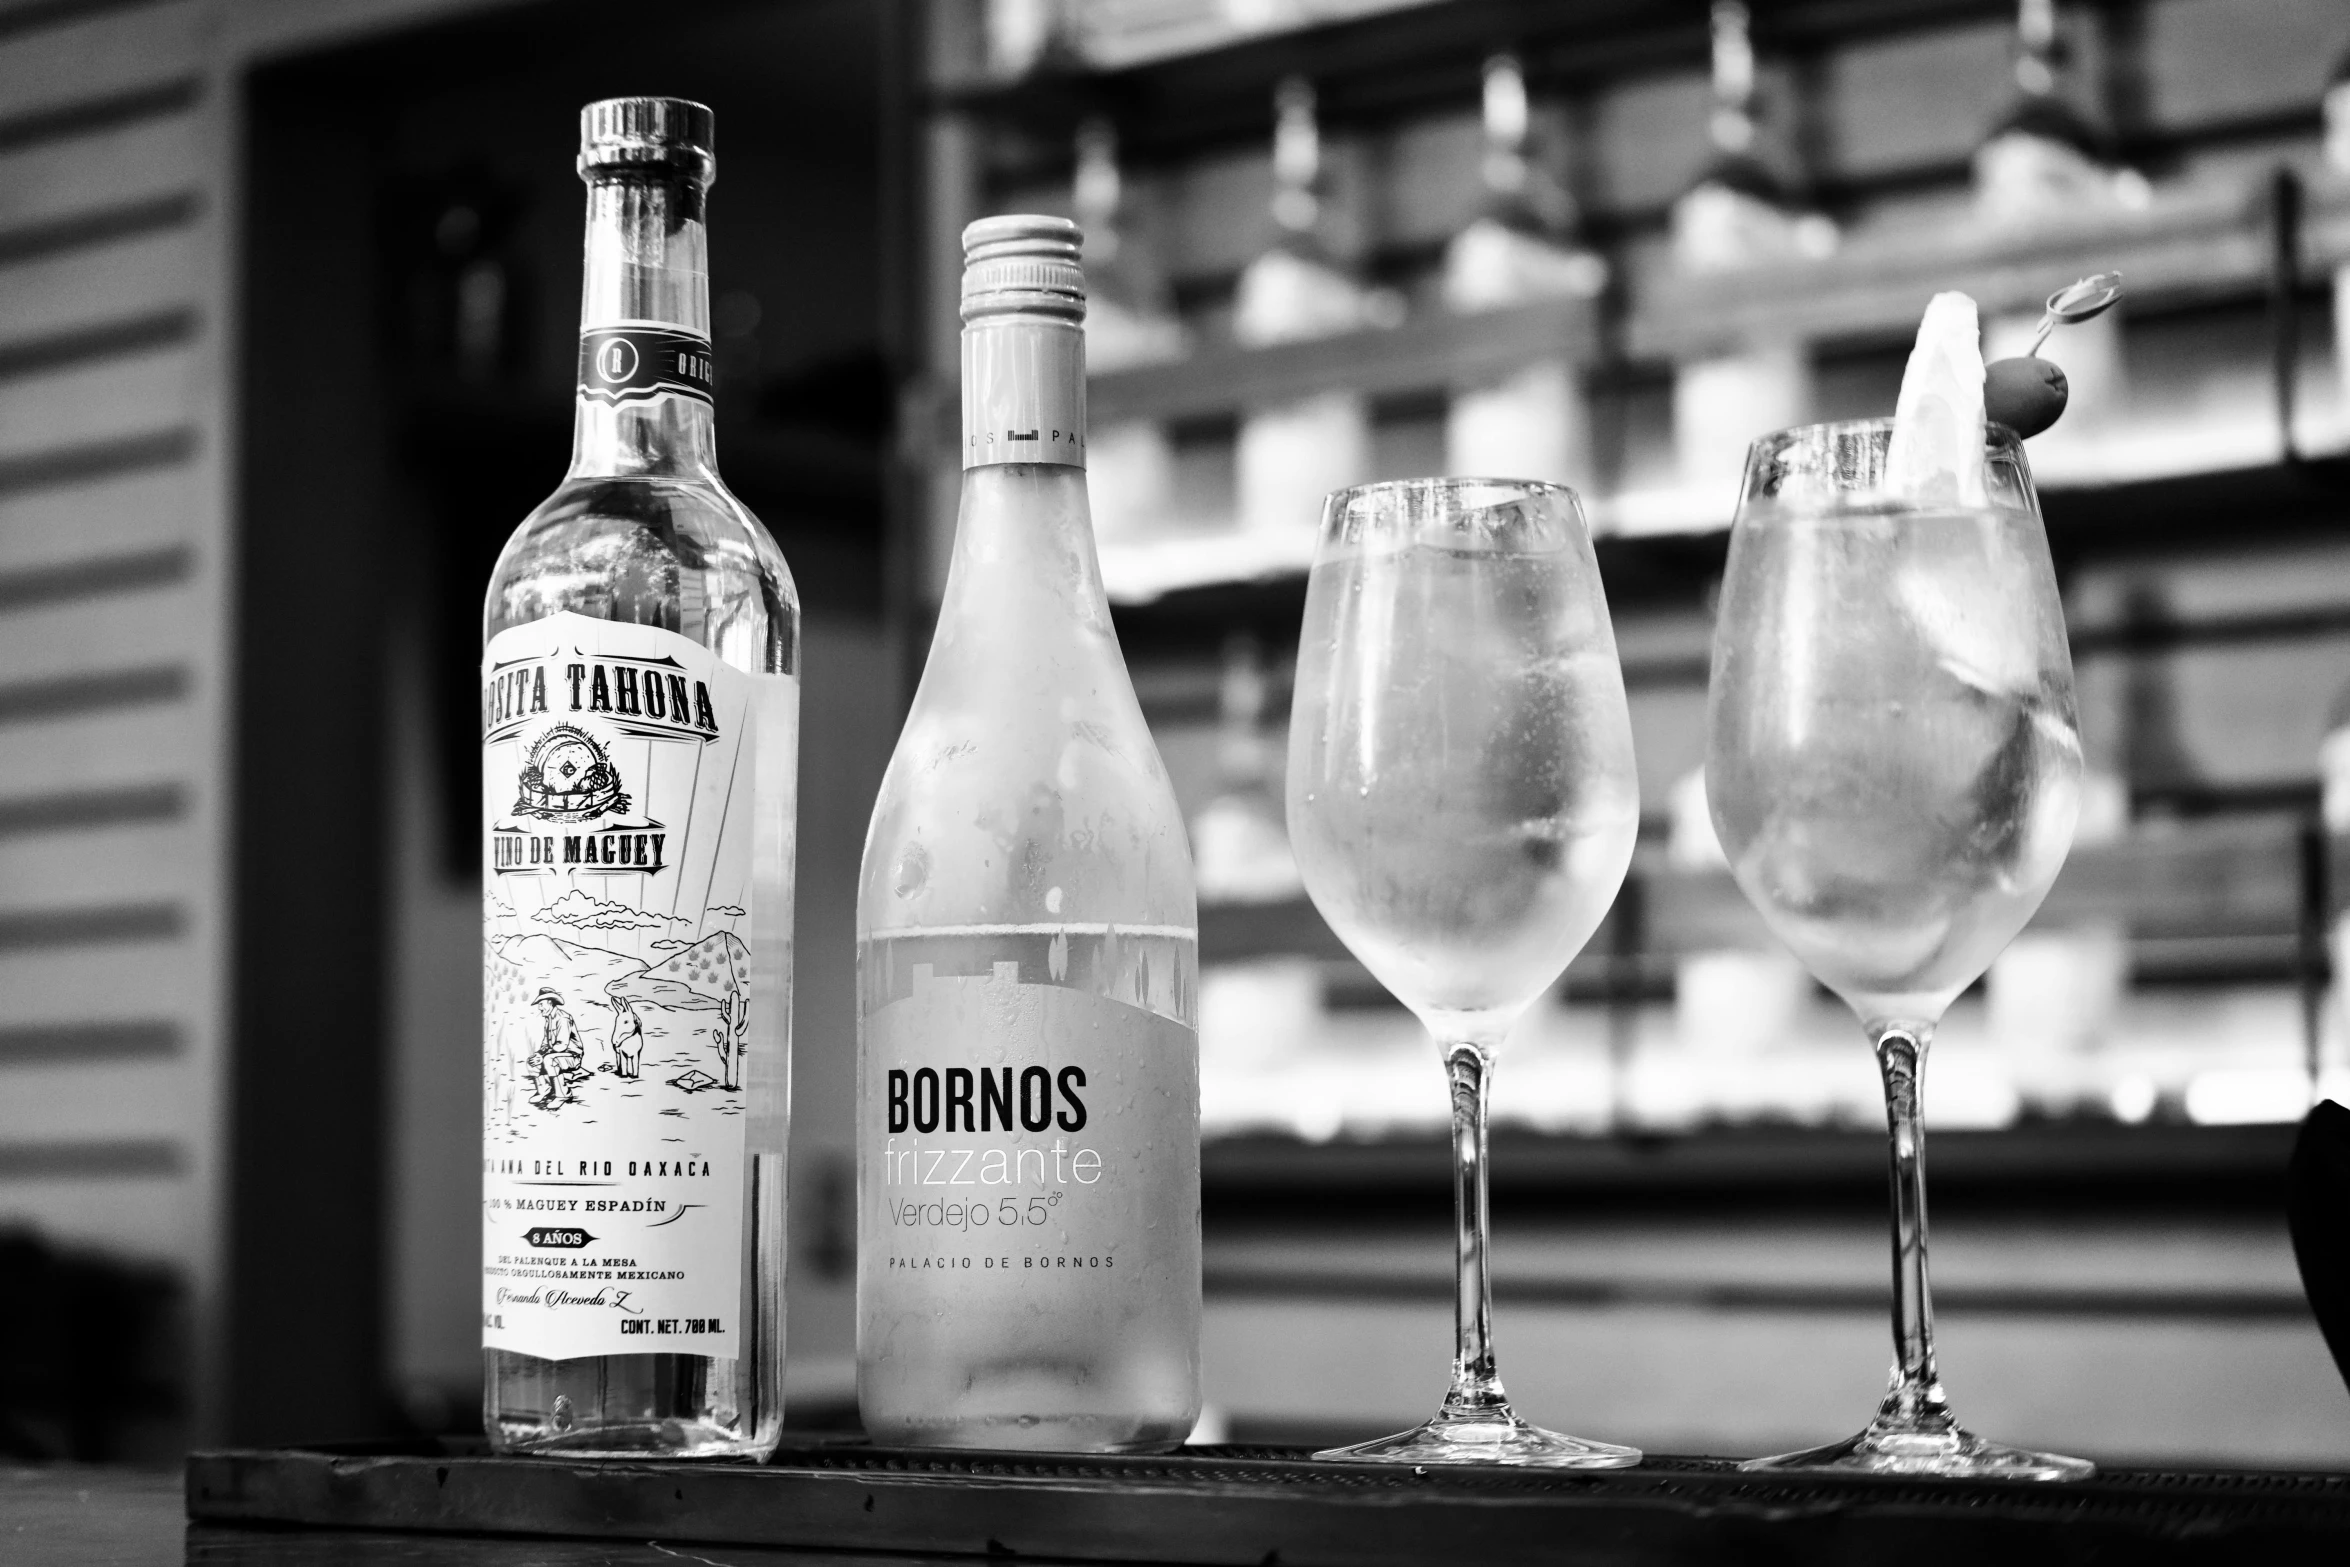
1476,1389
1914,1402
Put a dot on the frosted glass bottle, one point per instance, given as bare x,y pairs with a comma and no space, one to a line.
1028,1071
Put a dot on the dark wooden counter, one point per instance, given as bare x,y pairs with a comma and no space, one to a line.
857,1507
1248,1506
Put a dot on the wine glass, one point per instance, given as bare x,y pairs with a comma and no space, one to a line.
1893,768
1462,805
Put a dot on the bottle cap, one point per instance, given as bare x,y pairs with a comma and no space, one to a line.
1023,263
672,133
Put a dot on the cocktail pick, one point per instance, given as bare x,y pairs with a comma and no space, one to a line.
2075,302
2027,393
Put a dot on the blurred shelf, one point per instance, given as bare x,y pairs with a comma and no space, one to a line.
2190,246
1180,594
1400,60
2215,1267
1433,353
2213,900
2046,1167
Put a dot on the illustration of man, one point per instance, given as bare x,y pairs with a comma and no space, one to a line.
559,1053
628,1038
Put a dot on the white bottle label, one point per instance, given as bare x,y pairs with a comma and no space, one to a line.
617,801
1032,1144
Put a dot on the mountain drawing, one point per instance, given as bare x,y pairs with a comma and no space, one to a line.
705,974
714,974
580,972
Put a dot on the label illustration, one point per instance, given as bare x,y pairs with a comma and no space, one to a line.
1023,1134
617,767
637,361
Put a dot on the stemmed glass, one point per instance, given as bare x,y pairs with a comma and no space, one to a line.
1462,804
1893,768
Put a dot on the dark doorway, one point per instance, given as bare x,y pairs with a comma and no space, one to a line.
411,232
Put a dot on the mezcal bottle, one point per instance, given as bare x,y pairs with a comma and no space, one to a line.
1028,1246
640,735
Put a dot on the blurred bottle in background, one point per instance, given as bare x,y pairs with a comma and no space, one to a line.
1255,1014
1731,1004
1533,423
1738,214
2333,772
1129,323
2337,150
1292,455
2044,158
2044,162
2055,994
1028,37
1240,838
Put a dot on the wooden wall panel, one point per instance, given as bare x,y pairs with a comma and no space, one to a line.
111,612
122,734
95,981
50,69
103,400
119,173
53,1102
156,860
124,165
108,632
136,513
85,286
134,1211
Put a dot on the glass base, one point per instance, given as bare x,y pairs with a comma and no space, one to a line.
1950,1451
1496,1437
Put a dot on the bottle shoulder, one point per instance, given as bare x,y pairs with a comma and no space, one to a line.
677,552
1037,807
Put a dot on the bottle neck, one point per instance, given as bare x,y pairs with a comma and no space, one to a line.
644,398
1024,558
1023,391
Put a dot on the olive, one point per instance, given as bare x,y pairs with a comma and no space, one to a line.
2027,394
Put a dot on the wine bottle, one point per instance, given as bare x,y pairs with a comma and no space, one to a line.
640,724
1028,1264
1289,454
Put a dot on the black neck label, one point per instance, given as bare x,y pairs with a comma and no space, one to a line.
635,364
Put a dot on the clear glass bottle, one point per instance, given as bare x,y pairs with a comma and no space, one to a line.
640,720
1028,1265
1289,455
1533,422
1739,213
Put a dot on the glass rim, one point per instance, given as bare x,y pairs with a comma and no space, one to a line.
1444,484
1994,433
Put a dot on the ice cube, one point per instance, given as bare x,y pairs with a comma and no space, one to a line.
1937,453
1973,622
